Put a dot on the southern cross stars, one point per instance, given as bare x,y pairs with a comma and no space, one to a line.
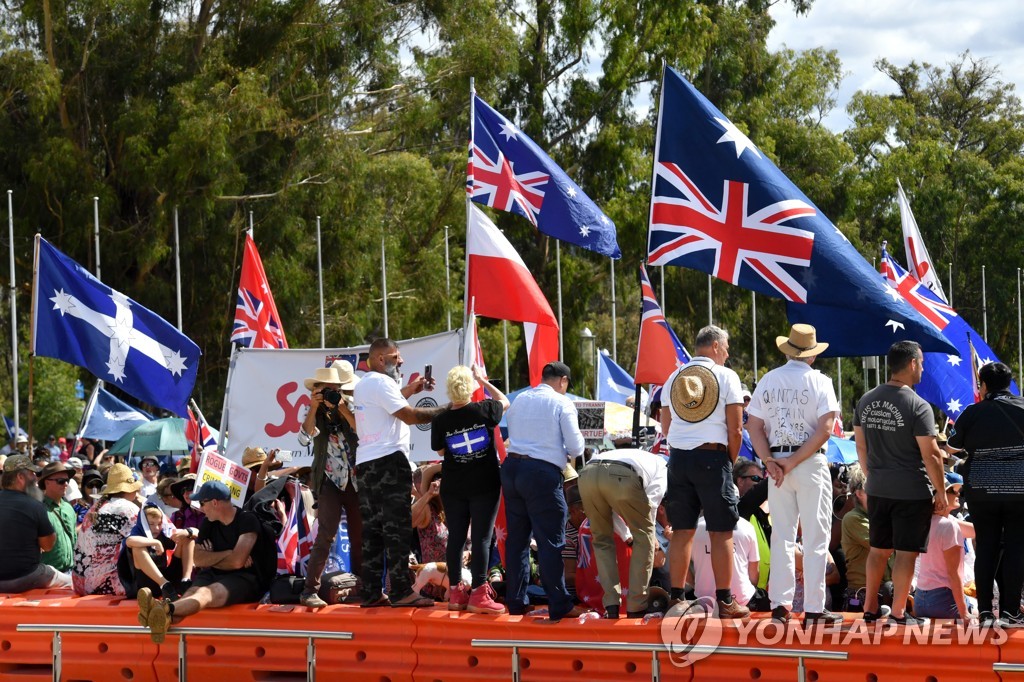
954,360
896,326
953,406
508,131
736,137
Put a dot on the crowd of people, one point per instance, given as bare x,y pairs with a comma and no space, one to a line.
923,526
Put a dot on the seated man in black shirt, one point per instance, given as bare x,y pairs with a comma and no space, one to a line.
237,556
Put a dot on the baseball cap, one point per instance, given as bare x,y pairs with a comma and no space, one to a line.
211,490
953,479
75,462
556,369
20,463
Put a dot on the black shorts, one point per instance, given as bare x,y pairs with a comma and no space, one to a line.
902,525
242,586
701,479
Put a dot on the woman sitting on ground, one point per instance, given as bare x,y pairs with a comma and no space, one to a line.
144,558
103,531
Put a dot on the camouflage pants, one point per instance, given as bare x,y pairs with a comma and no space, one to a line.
385,487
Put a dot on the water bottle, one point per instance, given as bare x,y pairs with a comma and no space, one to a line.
589,615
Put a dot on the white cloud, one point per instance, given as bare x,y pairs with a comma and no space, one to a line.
932,31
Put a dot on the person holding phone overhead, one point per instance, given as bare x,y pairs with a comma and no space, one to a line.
463,436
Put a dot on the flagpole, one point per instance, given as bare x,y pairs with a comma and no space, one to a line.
86,414
222,436
384,282
558,270
984,307
950,284
615,353
753,317
839,380
447,281
469,208
710,321
663,290
504,334
14,311
177,265
320,279
96,232
1020,347
32,334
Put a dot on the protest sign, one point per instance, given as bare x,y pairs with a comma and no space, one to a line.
213,467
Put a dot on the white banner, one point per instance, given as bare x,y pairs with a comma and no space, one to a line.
267,400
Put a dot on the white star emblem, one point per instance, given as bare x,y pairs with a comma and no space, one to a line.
570,191
953,406
584,230
892,292
62,302
116,367
604,219
175,363
808,278
840,233
985,361
508,131
896,326
954,360
736,136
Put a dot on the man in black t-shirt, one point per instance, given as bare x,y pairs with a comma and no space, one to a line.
26,532
237,556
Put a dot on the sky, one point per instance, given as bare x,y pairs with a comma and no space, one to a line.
932,31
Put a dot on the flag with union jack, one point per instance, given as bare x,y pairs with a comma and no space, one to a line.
509,172
294,543
201,437
721,206
257,324
659,351
950,380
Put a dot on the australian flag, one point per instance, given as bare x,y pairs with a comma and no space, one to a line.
80,320
507,171
721,206
948,379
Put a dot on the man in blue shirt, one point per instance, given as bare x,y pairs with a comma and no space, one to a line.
543,435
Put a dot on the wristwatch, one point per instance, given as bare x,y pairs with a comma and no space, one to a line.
191,533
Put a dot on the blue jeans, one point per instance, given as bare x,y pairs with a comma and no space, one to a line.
534,503
937,603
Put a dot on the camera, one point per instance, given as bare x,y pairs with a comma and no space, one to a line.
332,396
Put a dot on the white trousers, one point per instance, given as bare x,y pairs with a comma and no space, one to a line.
805,497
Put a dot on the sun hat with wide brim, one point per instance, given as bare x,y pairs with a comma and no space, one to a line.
120,479
253,457
802,342
323,375
346,374
694,393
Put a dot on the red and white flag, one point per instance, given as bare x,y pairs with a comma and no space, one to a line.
918,261
257,324
501,286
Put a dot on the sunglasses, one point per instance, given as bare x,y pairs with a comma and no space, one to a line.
755,478
59,481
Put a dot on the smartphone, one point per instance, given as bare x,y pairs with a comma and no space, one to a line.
428,373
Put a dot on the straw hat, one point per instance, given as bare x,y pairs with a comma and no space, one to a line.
120,479
346,374
253,457
323,375
694,393
801,343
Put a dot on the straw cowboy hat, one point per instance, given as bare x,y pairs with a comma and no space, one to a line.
801,343
346,374
120,479
694,393
323,375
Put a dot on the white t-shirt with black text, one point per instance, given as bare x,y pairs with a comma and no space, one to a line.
744,543
376,399
790,400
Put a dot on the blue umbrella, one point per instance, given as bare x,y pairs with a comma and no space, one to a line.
841,451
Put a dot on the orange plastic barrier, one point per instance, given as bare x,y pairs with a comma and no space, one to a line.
1011,650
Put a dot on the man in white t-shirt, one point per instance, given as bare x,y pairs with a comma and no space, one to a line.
745,562
383,415
704,423
792,413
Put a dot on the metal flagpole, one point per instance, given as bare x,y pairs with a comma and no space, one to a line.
96,232
753,316
839,380
177,264
447,281
469,207
662,289
250,223
951,283
984,307
1020,347
709,300
384,283
558,269
14,312
320,279
615,355
504,334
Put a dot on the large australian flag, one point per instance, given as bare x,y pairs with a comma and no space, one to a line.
721,206
509,172
948,379
82,321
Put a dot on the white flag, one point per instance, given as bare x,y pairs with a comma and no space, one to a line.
918,261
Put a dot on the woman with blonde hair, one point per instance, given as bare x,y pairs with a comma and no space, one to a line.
463,436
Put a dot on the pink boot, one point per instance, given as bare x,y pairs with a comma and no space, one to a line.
458,597
483,600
